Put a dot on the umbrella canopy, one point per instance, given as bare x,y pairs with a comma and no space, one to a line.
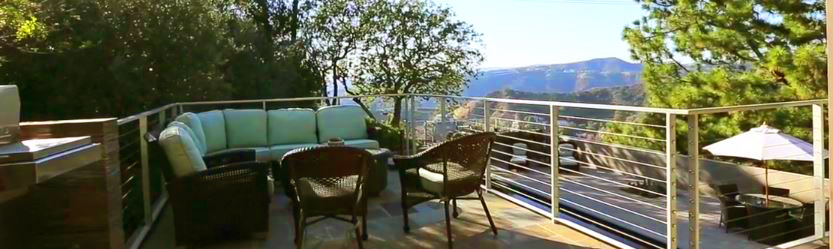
764,143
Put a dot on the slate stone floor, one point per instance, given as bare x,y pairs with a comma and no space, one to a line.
517,228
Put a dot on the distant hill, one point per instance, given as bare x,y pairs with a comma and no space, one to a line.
626,95
558,78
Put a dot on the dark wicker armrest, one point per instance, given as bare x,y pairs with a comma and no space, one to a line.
223,182
406,162
229,157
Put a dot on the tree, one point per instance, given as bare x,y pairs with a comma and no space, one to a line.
334,33
105,58
415,47
705,53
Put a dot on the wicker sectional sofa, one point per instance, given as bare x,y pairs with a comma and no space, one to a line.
271,134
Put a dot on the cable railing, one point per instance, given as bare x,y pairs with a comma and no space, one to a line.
616,189
555,158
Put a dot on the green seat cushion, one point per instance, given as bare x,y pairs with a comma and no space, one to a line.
191,132
292,126
261,153
362,143
214,126
193,122
245,128
181,150
276,152
433,181
345,122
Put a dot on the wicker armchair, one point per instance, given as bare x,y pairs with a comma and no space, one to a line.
328,181
732,213
447,172
207,204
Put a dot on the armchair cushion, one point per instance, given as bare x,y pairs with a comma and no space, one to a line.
182,152
245,128
191,133
362,143
345,122
193,122
292,126
214,126
432,181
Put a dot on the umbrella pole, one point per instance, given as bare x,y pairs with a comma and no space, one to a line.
766,181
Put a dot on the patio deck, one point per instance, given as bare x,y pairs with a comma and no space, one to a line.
518,227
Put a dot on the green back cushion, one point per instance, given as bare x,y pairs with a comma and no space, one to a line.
193,122
182,152
214,126
200,147
345,122
245,128
292,126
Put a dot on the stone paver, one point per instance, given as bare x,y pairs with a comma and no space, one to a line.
517,228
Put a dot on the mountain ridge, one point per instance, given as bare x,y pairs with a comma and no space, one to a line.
558,78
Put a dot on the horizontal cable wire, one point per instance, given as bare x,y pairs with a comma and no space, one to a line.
618,146
616,158
762,226
535,161
610,121
612,193
611,133
521,121
522,112
612,217
517,174
627,234
518,192
614,170
779,234
523,167
521,184
610,181
523,140
614,206
522,130
524,149
753,215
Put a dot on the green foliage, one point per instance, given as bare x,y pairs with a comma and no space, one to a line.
104,58
741,52
389,137
416,47
392,47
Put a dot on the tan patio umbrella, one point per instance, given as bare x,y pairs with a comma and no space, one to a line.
764,143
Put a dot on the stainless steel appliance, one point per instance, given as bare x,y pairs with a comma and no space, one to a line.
9,114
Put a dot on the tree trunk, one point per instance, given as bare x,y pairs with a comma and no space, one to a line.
397,112
295,20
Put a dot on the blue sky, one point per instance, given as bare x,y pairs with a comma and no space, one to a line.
530,32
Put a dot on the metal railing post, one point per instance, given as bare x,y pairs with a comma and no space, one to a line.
487,128
554,161
670,180
143,155
442,110
411,126
264,105
694,181
818,170
404,121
